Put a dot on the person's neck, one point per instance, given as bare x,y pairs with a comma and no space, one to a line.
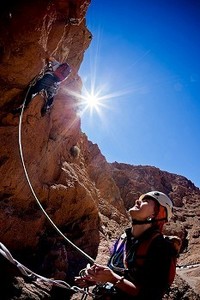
139,229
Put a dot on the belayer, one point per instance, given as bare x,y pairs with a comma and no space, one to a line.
47,85
142,265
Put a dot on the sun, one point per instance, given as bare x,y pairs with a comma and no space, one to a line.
96,96
92,101
95,99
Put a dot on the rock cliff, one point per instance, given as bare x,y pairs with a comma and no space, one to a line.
48,162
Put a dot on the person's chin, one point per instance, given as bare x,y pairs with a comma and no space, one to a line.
134,213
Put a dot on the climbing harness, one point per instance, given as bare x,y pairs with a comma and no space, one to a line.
27,272
36,78
104,290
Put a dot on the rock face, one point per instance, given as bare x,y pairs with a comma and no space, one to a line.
50,172
30,32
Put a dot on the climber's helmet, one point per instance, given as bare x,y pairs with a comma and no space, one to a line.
162,199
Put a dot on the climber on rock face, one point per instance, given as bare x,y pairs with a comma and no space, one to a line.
47,85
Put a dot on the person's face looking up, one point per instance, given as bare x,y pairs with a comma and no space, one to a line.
143,209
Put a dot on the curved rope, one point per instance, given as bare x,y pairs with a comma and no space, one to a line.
27,272
33,192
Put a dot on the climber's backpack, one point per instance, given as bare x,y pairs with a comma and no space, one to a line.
175,244
62,71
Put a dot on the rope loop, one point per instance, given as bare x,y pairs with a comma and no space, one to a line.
27,272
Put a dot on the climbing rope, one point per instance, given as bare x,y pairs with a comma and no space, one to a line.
90,259
27,272
59,283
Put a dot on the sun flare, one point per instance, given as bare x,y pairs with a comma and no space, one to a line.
92,101
95,99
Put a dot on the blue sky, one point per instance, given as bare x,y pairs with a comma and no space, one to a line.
143,62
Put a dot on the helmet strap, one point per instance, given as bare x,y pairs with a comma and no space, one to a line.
147,221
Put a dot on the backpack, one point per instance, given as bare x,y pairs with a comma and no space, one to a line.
173,241
62,71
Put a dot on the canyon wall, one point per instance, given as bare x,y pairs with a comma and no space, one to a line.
48,164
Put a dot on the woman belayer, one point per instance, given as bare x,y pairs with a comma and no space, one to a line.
142,265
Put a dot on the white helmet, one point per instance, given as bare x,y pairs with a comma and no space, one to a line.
162,199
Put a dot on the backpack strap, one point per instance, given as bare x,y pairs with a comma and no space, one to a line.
143,247
174,243
120,241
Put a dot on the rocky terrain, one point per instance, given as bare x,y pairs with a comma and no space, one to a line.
48,164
